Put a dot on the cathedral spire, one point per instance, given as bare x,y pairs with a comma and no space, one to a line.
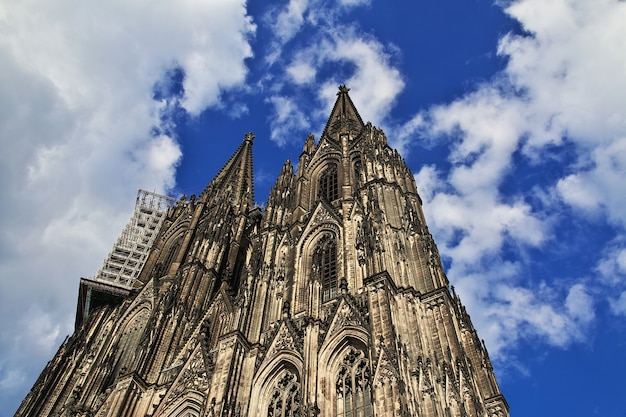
344,116
236,176
332,302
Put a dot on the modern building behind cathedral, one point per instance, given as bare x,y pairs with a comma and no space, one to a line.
332,301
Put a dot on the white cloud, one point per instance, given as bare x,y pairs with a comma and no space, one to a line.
563,83
428,182
601,187
301,72
284,23
288,21
352,3
612,266
288,118
77,117
403,136
328,40
579,304
507,313
11,380
611,278
618,305
377,82
578,192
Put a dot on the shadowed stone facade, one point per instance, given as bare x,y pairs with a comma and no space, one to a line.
330,302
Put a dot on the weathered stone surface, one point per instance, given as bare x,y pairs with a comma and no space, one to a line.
330,302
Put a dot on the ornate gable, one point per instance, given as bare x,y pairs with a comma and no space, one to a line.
322,215
286,340
345,316
386,367
193,379
324,149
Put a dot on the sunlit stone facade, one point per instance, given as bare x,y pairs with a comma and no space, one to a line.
331,301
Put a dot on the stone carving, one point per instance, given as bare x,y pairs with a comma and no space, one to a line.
249,294
194,376
284,341
345,316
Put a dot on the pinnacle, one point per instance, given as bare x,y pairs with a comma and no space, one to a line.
344,115
236,174
343,89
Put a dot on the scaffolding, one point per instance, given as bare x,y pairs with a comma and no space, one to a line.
124,263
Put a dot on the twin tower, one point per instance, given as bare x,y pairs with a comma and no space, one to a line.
331,301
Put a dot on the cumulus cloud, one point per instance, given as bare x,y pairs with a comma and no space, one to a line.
289,118
378,80
618,305
612,269
358,58
82,129
563,84
612,266
579,304
599,188
286,22
301,72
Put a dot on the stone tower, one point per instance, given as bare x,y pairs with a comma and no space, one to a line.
330,302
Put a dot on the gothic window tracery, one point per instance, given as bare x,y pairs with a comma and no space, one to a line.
353,386
325,265
130,339
328,184
285,398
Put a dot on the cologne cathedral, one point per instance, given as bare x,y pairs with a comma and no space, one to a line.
329,301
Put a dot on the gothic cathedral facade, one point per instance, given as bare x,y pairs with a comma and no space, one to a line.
332,301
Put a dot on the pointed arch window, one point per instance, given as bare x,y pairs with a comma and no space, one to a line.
328,184
129,341
353,386
285,398
171,256
358,169
325,265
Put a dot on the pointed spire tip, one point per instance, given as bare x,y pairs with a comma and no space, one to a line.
343,89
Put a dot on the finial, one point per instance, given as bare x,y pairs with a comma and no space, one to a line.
343,89
249,137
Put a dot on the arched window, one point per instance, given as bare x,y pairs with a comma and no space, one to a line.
328,187
188,413
353,385
171,255
325,265
130,339
358,168
285,398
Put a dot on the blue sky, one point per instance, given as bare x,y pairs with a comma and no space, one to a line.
511,114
